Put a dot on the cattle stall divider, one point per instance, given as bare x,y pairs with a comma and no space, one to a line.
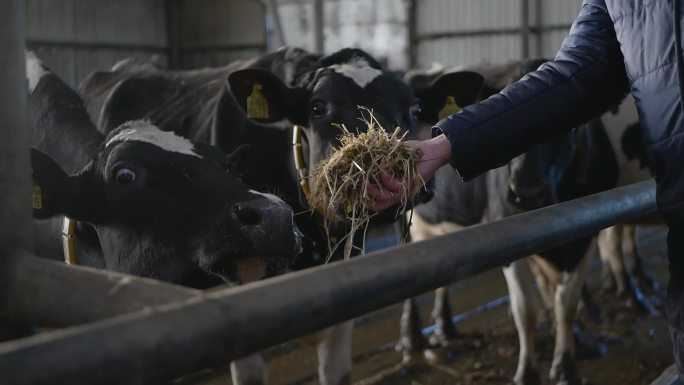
210,328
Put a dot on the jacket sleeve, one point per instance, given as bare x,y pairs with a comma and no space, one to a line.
584,80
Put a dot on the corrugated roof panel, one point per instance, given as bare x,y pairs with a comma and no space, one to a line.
434,16
559,12
469,50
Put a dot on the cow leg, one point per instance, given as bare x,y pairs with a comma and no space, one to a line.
568,293
546,289
441,313
334,355
411,340
610,247
636,268
523,309
588,304
249,370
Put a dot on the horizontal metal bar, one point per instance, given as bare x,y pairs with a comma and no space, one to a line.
170,340
53,294
489,32
93,46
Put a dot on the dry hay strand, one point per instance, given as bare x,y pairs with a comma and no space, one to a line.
340,183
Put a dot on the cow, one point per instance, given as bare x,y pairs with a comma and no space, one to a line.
623,270
564,168
147,202
265,102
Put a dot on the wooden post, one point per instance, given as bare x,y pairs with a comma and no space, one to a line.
15,182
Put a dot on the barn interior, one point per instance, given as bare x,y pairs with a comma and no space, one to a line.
78,321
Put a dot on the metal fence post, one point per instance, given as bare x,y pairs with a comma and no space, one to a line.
317,26
15,184
525,28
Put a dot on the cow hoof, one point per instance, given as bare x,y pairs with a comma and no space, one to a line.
564,372
411,345
527,376
411,350
346,380
442,337
608,279
432,356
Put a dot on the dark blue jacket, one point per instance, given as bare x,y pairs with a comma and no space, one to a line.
614,46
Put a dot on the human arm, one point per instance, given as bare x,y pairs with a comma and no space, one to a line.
585,79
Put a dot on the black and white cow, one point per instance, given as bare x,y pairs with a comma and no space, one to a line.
148,202
257,102
623,269
565,168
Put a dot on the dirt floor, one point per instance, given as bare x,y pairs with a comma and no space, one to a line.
620,346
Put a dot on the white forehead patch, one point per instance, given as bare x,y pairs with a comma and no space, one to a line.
270,197
34,70
357,70
122,63
143,131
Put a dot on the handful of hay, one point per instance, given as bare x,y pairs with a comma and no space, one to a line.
340,183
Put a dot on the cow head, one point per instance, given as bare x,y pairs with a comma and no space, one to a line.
633,146
323,96
533,177
441,93
167,208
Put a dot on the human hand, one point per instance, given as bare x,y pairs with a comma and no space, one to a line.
436,152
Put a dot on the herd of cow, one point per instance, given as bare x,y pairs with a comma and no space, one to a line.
136,160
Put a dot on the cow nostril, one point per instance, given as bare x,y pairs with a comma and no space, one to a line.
247,216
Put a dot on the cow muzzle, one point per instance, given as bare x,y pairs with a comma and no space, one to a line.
529,197
268,227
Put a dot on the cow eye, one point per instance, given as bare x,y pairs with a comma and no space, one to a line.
319,108
416,112
124,176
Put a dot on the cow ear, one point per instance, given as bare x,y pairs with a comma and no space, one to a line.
56,193
265,98
447,94
237,162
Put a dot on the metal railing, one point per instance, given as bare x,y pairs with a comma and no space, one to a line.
210,329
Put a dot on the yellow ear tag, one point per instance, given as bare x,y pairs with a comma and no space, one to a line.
257,105
37,197
450,108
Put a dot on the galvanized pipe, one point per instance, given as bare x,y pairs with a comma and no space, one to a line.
170,340
15,182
